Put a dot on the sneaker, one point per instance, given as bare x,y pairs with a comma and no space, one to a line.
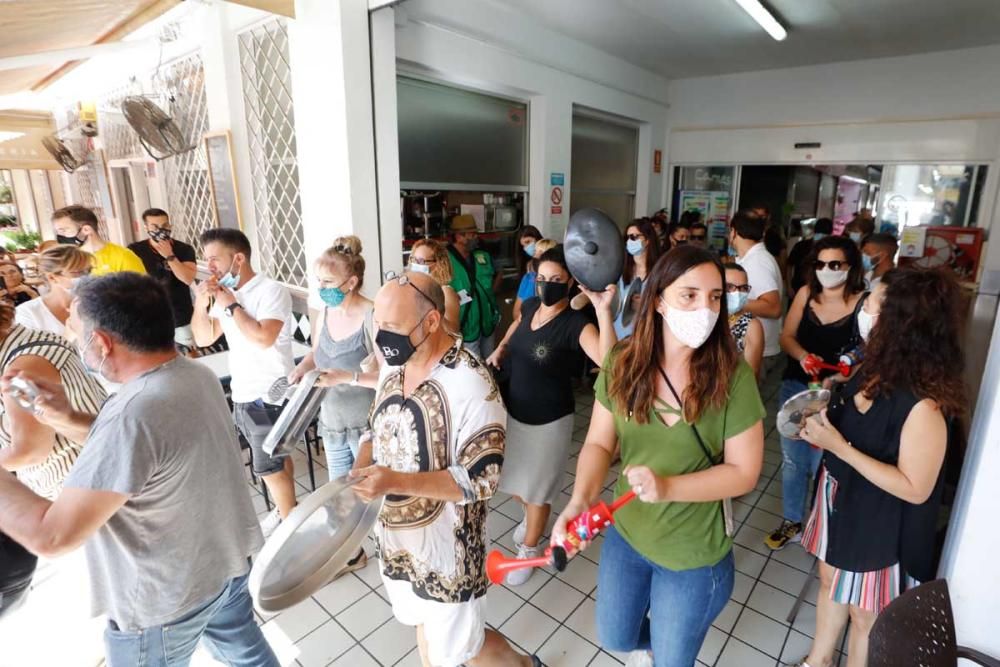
519,532
536,661
787,533
519,577
270,523
639,659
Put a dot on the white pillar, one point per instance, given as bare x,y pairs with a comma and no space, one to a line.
550,148
383,24
332,88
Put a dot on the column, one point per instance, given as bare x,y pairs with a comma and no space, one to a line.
332,89
550,148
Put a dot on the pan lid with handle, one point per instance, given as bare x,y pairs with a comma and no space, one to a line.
311,545
594,249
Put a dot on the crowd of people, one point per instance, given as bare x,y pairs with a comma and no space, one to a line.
429,404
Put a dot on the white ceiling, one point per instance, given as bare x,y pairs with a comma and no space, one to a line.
690,38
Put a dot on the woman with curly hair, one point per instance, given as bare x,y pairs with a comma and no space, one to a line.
430,257
879,488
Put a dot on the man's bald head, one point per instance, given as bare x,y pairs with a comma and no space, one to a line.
401,307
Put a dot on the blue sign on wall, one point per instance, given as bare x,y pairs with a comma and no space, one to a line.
558,178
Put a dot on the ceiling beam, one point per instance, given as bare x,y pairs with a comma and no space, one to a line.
282,7
66,55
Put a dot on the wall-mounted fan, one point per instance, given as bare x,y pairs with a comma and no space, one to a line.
62,153
158,133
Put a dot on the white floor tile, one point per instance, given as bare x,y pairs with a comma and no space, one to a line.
763,520
337,596
365,616
412,659
781,576
581,574
323,645
796,556
529,627
498,525
356,657
752,539
771,602
370,572
760,632
740,511
539,578
748,562
796,647
805,620
283,646
727,617
501,605
557,599
741,587
603,659
712,646
298,621
566,649
770,504
738,654
583,621
391,642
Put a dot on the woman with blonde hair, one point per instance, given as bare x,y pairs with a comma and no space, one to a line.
62,266
430,257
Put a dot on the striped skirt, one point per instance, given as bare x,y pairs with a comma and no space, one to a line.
871,591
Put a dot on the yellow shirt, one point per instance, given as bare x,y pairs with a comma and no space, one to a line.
115,259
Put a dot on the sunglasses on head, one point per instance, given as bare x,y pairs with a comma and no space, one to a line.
835,265
403,279
635,237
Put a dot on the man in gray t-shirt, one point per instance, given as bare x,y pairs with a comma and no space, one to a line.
158,493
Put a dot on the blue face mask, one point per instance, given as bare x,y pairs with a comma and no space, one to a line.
731,250
635,247
735,301
868,263
529,250
855,236
332,296
229,281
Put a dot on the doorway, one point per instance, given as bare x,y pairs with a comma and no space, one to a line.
131,198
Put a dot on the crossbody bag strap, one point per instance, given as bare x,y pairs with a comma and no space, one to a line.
36,343
701,443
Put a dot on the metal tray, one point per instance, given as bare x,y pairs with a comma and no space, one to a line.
793,414
299,412
311,545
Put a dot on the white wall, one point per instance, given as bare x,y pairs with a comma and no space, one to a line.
510,57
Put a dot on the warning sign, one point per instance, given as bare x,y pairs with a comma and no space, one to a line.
557,195
556,210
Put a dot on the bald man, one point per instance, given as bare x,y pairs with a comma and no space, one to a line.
435,450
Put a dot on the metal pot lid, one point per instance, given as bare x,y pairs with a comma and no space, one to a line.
300,410
311,545
595,252
793,414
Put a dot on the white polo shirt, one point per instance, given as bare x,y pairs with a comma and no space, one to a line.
254,369
763,276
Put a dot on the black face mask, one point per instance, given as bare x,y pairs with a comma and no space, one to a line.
68,240
159,234
396,347
551,293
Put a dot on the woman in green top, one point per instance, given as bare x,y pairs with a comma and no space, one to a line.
666,567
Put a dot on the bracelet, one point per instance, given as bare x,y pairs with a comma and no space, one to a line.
171,258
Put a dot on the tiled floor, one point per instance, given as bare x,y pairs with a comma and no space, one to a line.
349,623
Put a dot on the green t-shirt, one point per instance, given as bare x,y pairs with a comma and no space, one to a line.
680,536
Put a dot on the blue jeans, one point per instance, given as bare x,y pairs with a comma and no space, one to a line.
226,624
341,449
799,464
643,606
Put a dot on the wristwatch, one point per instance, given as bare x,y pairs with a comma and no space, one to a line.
169,258
231,308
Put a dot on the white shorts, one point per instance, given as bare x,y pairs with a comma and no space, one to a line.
454,632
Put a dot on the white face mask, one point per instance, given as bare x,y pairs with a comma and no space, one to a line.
420,268
829,278
691,327
866,323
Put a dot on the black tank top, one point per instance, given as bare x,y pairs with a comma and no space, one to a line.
829,341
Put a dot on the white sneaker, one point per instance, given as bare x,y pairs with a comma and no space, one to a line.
519,532
639,659
270,523
519,577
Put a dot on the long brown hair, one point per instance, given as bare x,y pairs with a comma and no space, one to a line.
653,249
916,342
633,376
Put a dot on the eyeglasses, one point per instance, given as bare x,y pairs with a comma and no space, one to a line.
343,249
423,262
403,279
635,237
835,265
744,289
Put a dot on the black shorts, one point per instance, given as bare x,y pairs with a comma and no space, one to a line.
254,421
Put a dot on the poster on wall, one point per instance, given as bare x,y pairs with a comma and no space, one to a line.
953,249
714,208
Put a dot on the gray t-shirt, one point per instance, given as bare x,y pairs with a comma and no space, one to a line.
167,441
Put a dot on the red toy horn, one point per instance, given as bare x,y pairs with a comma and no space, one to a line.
498,565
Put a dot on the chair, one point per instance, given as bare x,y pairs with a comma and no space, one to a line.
918,629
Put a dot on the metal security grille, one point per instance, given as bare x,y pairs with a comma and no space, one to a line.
188,191
120,141
267,94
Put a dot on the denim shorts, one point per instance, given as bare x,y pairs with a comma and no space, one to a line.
254,421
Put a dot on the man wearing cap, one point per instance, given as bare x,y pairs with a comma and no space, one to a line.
435,451
475,281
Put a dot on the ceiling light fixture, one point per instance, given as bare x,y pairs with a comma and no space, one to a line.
764,18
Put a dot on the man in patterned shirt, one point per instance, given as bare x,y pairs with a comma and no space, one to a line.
435,450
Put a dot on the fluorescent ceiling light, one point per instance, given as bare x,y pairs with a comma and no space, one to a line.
763,17
7,136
